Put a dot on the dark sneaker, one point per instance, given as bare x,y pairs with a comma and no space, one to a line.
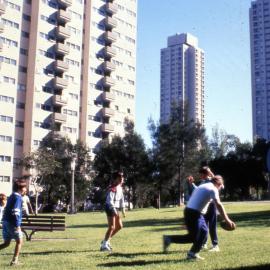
166,243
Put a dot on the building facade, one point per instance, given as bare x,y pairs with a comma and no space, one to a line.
259,15
67,66
182,77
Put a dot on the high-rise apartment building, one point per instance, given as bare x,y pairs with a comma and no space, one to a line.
67,66
182,77
259,15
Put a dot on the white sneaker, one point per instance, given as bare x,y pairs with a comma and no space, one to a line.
105,246
204,247
194,256
214,249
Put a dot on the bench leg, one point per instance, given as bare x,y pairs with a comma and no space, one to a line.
26,235
31,234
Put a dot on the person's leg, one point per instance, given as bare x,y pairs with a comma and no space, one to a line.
212,223
17,250
198,232
111,227
5,244
118,225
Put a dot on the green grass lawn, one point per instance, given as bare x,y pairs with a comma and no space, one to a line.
139,245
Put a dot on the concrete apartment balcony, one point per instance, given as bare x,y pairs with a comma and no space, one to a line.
65,3
61,48
1,45
108,112
108,81
59,100
110,23
2,27
62,32
63,16
108,66
2,8
110,36
107,128
60,66
59,118
111,8
108,96
109,51
60,83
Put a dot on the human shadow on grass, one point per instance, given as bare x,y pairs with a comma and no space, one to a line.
56,252
139,263
131,255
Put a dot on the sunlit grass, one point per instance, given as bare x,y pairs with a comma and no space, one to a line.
139,245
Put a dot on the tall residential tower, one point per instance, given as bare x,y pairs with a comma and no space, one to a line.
182,77
259,15
67,66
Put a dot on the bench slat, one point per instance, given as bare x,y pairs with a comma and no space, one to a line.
44,217
42,221
42,224
47,229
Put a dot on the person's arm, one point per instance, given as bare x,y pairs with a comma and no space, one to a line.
16,212
30,207
223,213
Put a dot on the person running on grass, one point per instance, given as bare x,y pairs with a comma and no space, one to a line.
194,217
12,220
3,202
114,203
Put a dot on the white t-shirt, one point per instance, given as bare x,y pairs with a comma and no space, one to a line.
115,197
1,212
202,196
25,201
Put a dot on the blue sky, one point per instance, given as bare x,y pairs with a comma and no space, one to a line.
222,27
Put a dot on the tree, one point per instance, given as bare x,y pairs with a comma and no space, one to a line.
127,154
178,149
52,164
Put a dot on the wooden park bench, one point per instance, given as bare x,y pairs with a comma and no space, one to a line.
35,223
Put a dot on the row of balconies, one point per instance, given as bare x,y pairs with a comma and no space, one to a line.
62,118
65,3
2,8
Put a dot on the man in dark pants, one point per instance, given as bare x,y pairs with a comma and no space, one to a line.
194,217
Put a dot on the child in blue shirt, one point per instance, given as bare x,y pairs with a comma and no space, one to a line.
12,219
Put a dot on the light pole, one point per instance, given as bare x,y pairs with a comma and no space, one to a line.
72,166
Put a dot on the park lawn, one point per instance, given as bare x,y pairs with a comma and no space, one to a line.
139,245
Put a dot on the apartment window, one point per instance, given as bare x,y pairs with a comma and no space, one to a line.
9,80
25,34
21,87
70,112
4,138
26,17
4,178
23,51
131,82
18,142
10,23
6,99
74,96
12,5
37,142
73,46
9,42
8,60
19,124
70,129
22,69
20,105
72,62
7,119
5,158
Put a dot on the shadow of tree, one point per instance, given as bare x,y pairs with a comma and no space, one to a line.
256,219
252,267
